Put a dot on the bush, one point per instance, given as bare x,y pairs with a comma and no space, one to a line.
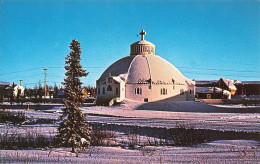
14,117
98,137
32,139
184,135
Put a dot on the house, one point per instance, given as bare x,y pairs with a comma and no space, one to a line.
212,93
228,85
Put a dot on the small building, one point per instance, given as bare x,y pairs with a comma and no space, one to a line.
84,93
4,84
212,93
248,87
228,85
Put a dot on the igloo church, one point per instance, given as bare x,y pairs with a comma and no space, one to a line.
145,77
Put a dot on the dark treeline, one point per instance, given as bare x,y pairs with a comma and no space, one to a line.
37,93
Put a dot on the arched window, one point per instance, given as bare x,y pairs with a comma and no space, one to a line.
109,88
117,93
163,91
173,83
138,91
104,91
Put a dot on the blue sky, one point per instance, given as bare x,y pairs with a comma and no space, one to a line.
204,39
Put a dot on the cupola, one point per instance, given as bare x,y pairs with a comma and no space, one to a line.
142,47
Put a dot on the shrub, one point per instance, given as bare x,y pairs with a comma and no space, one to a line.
184,135
14,117
31,139
98,137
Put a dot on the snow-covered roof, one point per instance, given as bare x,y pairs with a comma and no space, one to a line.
144,68
250,82
229,83
203,82
208,90
142,42
117,79
189,81
4,83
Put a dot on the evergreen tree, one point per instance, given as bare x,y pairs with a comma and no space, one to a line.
73,130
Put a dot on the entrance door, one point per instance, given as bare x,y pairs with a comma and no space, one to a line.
208,96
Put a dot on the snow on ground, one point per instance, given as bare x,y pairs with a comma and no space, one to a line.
128,114
235,106
221,151
227,151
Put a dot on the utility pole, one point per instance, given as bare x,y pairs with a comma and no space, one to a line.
45,90
20,82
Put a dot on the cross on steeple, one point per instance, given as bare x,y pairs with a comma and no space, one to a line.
142,33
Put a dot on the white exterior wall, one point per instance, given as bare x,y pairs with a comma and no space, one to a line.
190,89
111,94
154,94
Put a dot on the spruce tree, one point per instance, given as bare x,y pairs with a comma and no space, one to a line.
73,130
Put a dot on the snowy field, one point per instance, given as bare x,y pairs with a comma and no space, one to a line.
228,151
134,114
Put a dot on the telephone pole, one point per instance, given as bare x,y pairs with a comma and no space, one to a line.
45,90
20,82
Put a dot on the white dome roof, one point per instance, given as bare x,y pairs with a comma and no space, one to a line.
135,69
142,42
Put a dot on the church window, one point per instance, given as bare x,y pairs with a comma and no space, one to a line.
98,90
138,91
117,91
109,80
109,88
104,91
163,91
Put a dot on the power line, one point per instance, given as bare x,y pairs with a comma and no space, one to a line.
216,74
204,69
82,67
20,71
213,69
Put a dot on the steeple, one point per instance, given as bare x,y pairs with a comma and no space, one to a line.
142,47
